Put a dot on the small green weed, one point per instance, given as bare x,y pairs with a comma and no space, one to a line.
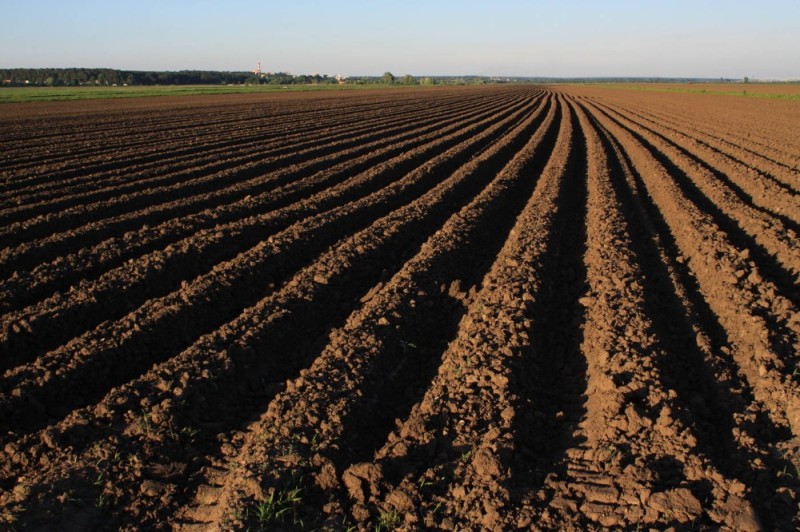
101,502
144,423
280,506
424,482
388,520
613,450
407,346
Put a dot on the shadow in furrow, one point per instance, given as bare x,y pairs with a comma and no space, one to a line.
723,178
121,223
768,266
694,136
176,329
22,346
413,350
199,182
259,370
283,196
550,380
230,181
709,408
245,372
67,200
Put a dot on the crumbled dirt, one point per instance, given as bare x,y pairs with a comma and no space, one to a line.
508,307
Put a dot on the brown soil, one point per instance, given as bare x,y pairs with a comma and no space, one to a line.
486,308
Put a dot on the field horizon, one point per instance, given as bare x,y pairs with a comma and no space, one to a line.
767,90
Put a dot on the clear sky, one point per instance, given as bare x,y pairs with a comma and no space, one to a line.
701,38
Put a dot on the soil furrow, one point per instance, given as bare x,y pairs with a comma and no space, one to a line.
194,182
452,308
548,379
150,114
763,127
256,121
756,184
108,228
228,288
713,396
271,130
630,417
220,358
259,145
134,167
116,123
57,319
782,296
781,166
763,233
742,300
396,337
29,286
447,457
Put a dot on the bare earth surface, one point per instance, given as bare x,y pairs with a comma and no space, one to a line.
482,308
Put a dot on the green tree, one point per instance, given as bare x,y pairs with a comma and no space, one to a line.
408,79
388,78
427,81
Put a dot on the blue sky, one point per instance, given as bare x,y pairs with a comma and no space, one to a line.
760,39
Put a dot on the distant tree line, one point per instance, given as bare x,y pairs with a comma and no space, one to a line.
284,78
108,76
53,77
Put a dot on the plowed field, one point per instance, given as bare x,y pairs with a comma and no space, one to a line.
502,307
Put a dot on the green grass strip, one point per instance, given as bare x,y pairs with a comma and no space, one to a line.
50,94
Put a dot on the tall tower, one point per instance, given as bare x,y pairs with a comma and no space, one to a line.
257,71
